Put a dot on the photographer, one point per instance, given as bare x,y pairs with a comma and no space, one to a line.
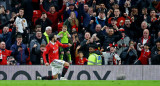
11,61
129,55
4,53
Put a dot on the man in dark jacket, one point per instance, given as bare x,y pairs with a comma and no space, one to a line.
6,36
20,51
155,53
44,22
35,44
111,37
129,55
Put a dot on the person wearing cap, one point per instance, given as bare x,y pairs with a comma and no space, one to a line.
94,59
123,42
155,53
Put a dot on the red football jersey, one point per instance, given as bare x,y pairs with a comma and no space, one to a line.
144,57
81,61
52,49
4,55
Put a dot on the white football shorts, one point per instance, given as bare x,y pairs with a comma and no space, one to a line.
57,66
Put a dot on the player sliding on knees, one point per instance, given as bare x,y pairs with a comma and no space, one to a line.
58,66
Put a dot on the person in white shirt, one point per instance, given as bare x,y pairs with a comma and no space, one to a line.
20,21
111,58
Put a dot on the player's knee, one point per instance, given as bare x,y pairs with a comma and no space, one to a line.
62,52
66,64
55,76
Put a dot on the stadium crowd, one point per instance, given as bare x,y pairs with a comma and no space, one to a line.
102,32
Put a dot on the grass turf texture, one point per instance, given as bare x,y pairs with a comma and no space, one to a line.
79,83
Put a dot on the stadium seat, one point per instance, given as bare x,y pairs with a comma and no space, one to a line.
36,15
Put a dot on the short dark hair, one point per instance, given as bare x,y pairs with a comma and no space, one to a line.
21,9
19,36
80,52
43,13
52,6
38,26
51,36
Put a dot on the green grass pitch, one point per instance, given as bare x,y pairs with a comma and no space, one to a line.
79,83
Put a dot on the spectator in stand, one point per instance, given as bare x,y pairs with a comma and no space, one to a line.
129,56
130,29
35,52
47,33
6,36
64,38
111,57
72,22
21,22
4,15
52,12
4,53
85,44
83,11
94,58
145,56
142,4
37,28
144,39
113,35
43,21
20,51
48,3
126,8
68,11
123,43
79,57
101,19
102,8
120,20
155,53
144,25
16,5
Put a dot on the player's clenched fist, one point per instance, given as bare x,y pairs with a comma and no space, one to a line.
47,64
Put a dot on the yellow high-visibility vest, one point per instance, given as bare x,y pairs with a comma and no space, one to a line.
94,59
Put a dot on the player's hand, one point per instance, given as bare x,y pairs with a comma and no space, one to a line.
41,1
47,64
69,45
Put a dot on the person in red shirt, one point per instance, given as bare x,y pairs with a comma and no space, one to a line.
53,15
52,49
80,60
145,55
4,53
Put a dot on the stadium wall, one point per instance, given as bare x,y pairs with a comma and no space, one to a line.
131,72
